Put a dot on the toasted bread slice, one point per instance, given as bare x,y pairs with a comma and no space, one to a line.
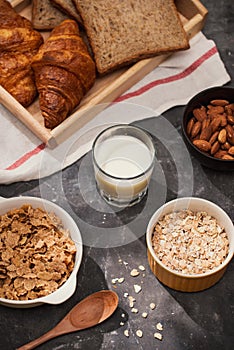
68,7
122,32
45,16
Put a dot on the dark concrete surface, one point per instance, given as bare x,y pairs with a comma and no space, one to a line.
191,321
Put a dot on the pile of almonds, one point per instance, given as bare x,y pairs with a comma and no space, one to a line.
211,129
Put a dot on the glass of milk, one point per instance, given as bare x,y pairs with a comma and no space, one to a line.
123,159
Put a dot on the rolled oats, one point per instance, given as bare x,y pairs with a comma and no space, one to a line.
139,333
121,280
37,255
126,333
190,242
137,288
159,326
134,273
134,310
158,335
114,280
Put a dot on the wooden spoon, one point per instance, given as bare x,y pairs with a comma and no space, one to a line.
89,312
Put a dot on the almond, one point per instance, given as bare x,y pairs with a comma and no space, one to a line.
230,134
200,113
215,123
215,147
230,119
190,126
220,154
206,133
196,129
231,106
228,110
227,157
230,131
219,102
202,145
222,136
213,137
231,151
223,120
205,123
231,140
215,109
226,145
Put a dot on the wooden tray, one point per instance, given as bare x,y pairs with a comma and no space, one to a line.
105,89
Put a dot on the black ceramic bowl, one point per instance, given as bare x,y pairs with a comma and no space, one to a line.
204,98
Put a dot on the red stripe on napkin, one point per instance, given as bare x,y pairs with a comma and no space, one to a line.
171,78
26,156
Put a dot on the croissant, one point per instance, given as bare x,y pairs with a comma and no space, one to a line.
18,44
64,72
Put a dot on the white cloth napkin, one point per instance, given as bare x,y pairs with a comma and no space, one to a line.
24,157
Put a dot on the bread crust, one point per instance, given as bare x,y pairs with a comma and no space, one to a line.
124,32
68,7
45,16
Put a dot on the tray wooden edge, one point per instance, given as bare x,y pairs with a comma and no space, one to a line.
194,10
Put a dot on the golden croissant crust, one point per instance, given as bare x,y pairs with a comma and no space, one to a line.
64,72
19,42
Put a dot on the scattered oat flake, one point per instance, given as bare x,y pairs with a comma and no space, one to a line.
121,323
126,333
141,267
158,336
125,295
137,288
159,326
134,273
114,280
131,301
152,306
144,314
121,280
139,333
134,310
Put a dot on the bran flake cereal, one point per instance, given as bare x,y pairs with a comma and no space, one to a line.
36,253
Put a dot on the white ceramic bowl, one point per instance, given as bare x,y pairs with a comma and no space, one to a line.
181,281
68,288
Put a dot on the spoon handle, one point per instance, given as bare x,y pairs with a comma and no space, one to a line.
42,339
38,341
61,328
